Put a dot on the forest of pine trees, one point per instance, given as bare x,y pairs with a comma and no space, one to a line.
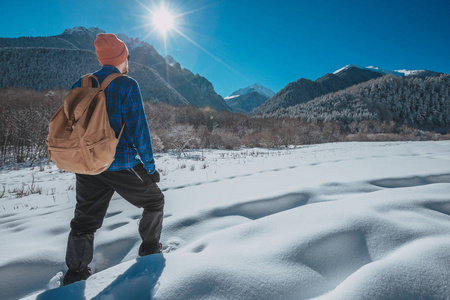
416,102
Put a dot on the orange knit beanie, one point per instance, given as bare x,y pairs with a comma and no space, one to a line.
110,50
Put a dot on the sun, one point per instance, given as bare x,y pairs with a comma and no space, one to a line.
163,20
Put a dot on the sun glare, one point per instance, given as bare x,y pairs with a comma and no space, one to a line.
163,20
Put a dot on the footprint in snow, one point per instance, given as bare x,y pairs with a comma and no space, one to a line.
172,245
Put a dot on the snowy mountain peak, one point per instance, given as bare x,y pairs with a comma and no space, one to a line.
247,99
404,73
410,72
268,93
382,71
347,67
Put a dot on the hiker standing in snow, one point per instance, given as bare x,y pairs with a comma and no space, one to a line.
132,174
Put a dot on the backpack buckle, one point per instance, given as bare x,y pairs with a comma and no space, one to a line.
70,125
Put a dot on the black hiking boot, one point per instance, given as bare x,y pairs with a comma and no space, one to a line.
74,276
147,250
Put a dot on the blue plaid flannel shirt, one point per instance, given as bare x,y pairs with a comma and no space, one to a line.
124,104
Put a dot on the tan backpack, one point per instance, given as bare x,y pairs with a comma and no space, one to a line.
80,138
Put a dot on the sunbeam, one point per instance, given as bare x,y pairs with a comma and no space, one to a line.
165,20
204,50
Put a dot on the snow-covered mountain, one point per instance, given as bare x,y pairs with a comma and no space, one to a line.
414,101
253,88
403,72
304,90
246,99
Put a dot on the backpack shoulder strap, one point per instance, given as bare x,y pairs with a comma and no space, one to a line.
109,79
86,80
82,106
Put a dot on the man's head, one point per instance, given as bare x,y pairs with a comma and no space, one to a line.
112,51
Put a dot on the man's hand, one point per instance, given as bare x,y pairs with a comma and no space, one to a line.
155,176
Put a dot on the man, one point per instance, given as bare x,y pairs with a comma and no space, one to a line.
132,174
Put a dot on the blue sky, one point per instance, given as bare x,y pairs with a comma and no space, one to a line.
235,43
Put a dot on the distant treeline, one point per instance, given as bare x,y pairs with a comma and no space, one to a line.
25,116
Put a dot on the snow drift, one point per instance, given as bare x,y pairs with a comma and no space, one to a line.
334,221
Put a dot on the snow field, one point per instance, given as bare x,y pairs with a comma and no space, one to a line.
332,221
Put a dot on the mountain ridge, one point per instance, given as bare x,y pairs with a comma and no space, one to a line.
246,99
402,72
419,102
254,88
304,90
190,89
71,63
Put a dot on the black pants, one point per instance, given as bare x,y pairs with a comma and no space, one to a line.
94,193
